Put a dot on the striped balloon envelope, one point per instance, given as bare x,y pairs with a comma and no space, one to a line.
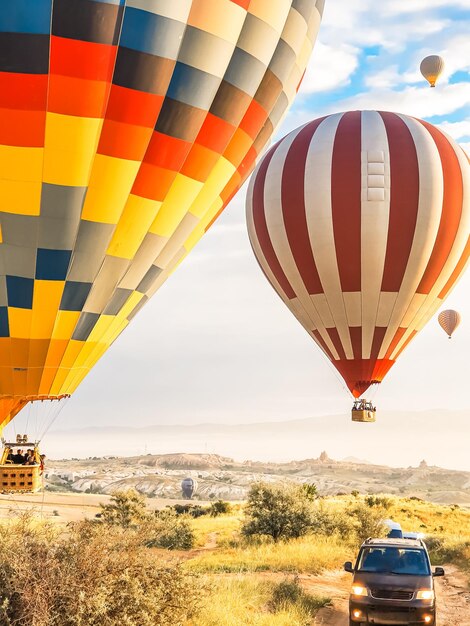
126,126
361,222
449,321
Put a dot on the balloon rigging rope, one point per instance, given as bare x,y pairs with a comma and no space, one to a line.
28,415
55,414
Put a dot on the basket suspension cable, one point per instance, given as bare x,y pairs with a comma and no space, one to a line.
55,414
48,408
28,415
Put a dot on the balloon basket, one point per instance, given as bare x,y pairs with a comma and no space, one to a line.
18,478
363,416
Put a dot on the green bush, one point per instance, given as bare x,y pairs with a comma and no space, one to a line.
279,511
379,501
219,508
169,530
367,521
126,509
330,522
194,510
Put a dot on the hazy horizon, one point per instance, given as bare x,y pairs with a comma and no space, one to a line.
388,442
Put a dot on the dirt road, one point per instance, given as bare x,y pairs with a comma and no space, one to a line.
453,597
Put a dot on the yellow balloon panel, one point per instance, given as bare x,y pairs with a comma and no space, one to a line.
126,128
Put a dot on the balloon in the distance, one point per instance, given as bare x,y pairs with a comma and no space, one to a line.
431,68
124,132
361,222
449,320
188,487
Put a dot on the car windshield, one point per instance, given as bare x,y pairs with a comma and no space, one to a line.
388,560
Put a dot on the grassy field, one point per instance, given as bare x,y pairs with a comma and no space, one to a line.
250,581
309,554
240,594
251,601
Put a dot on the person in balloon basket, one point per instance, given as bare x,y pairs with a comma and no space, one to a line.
19,458
30,460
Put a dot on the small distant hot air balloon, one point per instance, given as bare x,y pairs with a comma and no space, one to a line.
431,68
449,321
188,487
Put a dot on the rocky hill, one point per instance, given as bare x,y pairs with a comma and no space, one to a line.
222,477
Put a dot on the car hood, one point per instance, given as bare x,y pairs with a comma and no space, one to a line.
393,581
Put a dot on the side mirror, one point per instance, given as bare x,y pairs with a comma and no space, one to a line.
348,567
439,571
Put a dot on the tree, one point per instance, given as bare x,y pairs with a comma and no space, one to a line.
126,509
280,511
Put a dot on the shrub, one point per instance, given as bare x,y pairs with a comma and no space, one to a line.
280,511
310,491
157,529
289,593
329,522
219,508
170,531
126,509
194,510
93,575
379,501
367,521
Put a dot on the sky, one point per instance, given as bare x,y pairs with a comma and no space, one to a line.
216,344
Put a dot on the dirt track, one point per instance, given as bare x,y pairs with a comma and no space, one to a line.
453,598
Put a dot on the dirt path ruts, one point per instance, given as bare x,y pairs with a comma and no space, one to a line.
453,598
452,591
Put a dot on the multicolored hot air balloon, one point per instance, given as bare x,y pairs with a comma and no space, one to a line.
431,68
361,223
449,321
126,126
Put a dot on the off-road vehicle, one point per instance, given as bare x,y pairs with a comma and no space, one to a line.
393,583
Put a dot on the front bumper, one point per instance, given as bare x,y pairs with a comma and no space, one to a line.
375,612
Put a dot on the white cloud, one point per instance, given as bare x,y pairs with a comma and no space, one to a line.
329,67
394,7
417,101
384,78
457,130
357,23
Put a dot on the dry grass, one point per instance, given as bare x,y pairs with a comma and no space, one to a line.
311,554
247,600
225,526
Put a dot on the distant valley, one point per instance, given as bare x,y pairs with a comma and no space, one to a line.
160,476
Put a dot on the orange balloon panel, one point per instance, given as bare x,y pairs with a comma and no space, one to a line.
361,222
125,128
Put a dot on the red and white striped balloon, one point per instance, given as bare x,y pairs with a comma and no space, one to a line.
361,222
449,320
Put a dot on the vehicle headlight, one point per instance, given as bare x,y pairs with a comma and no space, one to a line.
425,594
359,590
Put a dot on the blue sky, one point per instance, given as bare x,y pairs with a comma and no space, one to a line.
216,344
368,56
